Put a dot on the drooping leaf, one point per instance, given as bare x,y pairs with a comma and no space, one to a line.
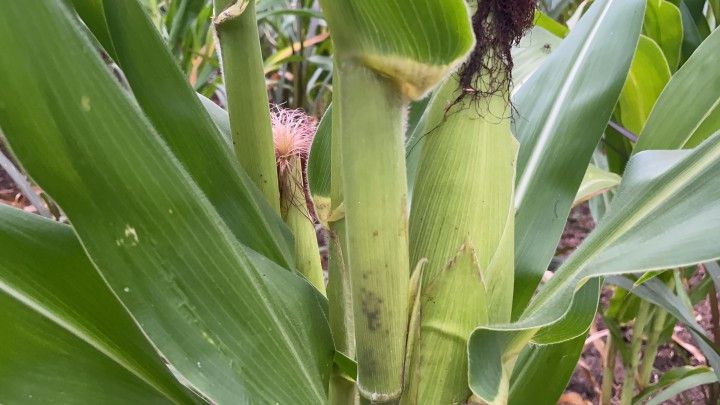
665,205
231,322
658,293
688,110
533,382
415,43
683,384
55,304
561,114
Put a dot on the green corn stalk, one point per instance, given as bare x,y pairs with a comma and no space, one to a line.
631,369
248,107
462,223
297,216
379,71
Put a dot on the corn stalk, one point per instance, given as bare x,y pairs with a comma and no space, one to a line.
379,72
248,109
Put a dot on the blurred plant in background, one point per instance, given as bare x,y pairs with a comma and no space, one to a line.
294,40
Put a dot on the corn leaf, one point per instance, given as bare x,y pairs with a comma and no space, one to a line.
683,384
596,181
669,378
56,306
658,293
544,385
45,363
659,218
319,162
173,108
413,42
688,110
562,112
663,23
232,323
530,54
649,73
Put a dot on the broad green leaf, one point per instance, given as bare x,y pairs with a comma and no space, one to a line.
697,11
663,23
47,281
561,114
598,205
179,117
693,34
596,181
232,323
45,363
91,12
665,203
544,21
688,110
543,371
530,53
219,117
667,379
415,43
648,75
684,384
318,170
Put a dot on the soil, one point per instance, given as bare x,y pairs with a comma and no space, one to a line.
585,385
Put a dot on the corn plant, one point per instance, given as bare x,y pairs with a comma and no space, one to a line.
189,271
658,74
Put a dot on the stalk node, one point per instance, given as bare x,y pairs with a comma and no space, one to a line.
232,12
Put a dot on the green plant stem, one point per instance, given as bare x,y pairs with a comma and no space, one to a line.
342,391
641,320
297,216
248,107
375,187
651,348
608,378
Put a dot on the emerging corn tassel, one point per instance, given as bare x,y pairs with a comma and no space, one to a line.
293,133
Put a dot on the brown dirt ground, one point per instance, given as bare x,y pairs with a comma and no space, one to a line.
585,384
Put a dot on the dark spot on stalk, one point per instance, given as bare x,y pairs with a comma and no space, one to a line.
370,305
498,25
375,233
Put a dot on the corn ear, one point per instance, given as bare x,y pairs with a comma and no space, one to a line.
462,223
